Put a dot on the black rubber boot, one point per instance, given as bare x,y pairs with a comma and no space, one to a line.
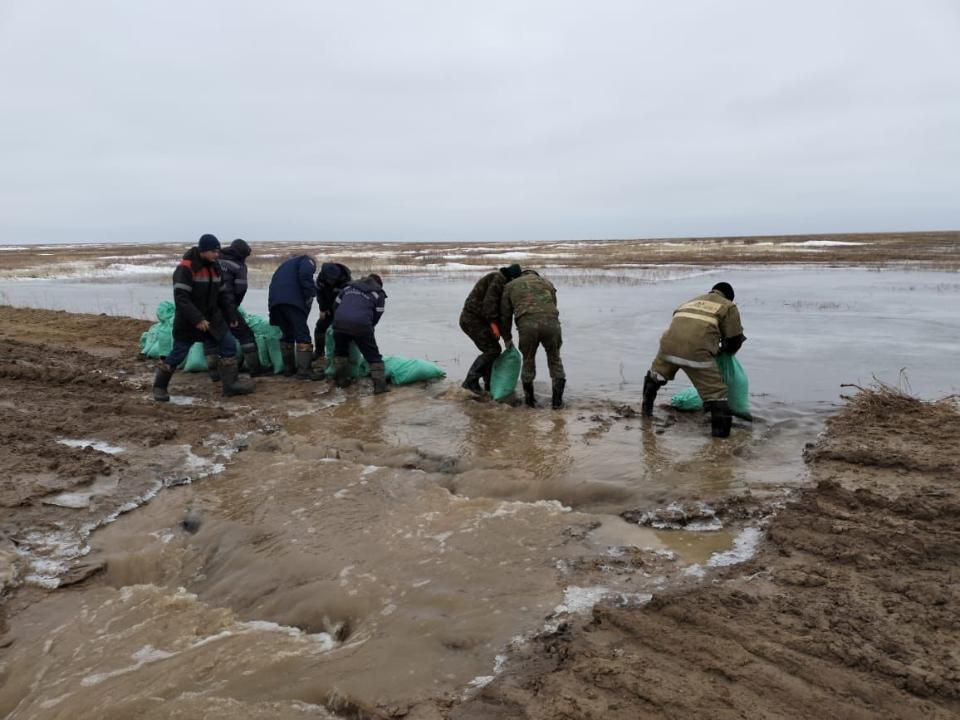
230,379
528,396
213,367
378,374
650,387
341,372
472,383
251,360
288,353
161,381
721,419
556,402
305,364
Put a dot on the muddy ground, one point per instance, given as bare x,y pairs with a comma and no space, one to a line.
849,608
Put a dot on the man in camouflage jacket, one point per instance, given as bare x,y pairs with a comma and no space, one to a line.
480,320
532,300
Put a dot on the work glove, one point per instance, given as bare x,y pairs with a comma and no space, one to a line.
495,329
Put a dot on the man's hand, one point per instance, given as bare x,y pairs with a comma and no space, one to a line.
323,314
203,325
507,343
235,324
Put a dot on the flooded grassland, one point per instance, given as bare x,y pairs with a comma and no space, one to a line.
313,552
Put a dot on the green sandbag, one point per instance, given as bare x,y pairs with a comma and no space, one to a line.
358,366
738,389
505,374
403,371
267,337
157,341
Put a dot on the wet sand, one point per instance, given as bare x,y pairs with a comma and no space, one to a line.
344,555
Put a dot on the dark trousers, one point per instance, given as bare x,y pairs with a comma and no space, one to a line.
292,322
478,330
226,347
241,332
363,336
320,331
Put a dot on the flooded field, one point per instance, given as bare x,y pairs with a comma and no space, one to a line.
335,553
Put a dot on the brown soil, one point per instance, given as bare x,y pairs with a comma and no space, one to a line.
851,608
916,249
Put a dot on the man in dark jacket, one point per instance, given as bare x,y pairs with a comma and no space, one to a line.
480,320
233,268
360,306
331,279
203,310
289,299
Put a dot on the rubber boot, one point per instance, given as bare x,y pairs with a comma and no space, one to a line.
288,353
556,402
230,378
161,381
305,363
721,419
528,396
341,372
251,360
472,383
378,374
213,367
650,387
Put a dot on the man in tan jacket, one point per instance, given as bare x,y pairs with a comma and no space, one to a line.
700,329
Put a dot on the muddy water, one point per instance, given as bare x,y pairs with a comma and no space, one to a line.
376,552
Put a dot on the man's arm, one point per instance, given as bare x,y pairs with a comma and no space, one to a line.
731,331
506,316
305,271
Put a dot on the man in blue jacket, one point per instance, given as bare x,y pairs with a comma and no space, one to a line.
289,299
331,279
360,306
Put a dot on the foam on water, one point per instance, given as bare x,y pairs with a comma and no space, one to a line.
100,445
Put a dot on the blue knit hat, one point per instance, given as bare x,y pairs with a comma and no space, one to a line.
208,242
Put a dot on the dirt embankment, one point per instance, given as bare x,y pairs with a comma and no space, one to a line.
67,380
850,609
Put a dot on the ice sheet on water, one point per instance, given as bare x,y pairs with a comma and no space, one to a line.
744,547
99,445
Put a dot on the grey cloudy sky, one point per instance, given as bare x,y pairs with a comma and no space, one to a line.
157,120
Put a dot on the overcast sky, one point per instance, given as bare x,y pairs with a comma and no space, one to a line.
158,120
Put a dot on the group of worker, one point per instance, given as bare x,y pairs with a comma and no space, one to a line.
210,283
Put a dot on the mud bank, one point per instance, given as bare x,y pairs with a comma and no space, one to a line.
851,608
311,552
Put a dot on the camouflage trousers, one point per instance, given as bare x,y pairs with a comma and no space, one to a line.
707,380
537,330
478,330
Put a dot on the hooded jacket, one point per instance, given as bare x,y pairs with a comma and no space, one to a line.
292,283
233,267
331,279
483,302
199,294
359,305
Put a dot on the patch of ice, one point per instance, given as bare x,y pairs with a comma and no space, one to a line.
823,243
182,400
98,445
744,547
144,656
342,493
368,469
580,599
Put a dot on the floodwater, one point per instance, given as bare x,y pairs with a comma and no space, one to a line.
378,552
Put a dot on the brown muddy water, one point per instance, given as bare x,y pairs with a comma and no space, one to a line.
364,555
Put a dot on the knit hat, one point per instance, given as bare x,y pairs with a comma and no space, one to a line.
725,289
208,242
240,248
511,272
